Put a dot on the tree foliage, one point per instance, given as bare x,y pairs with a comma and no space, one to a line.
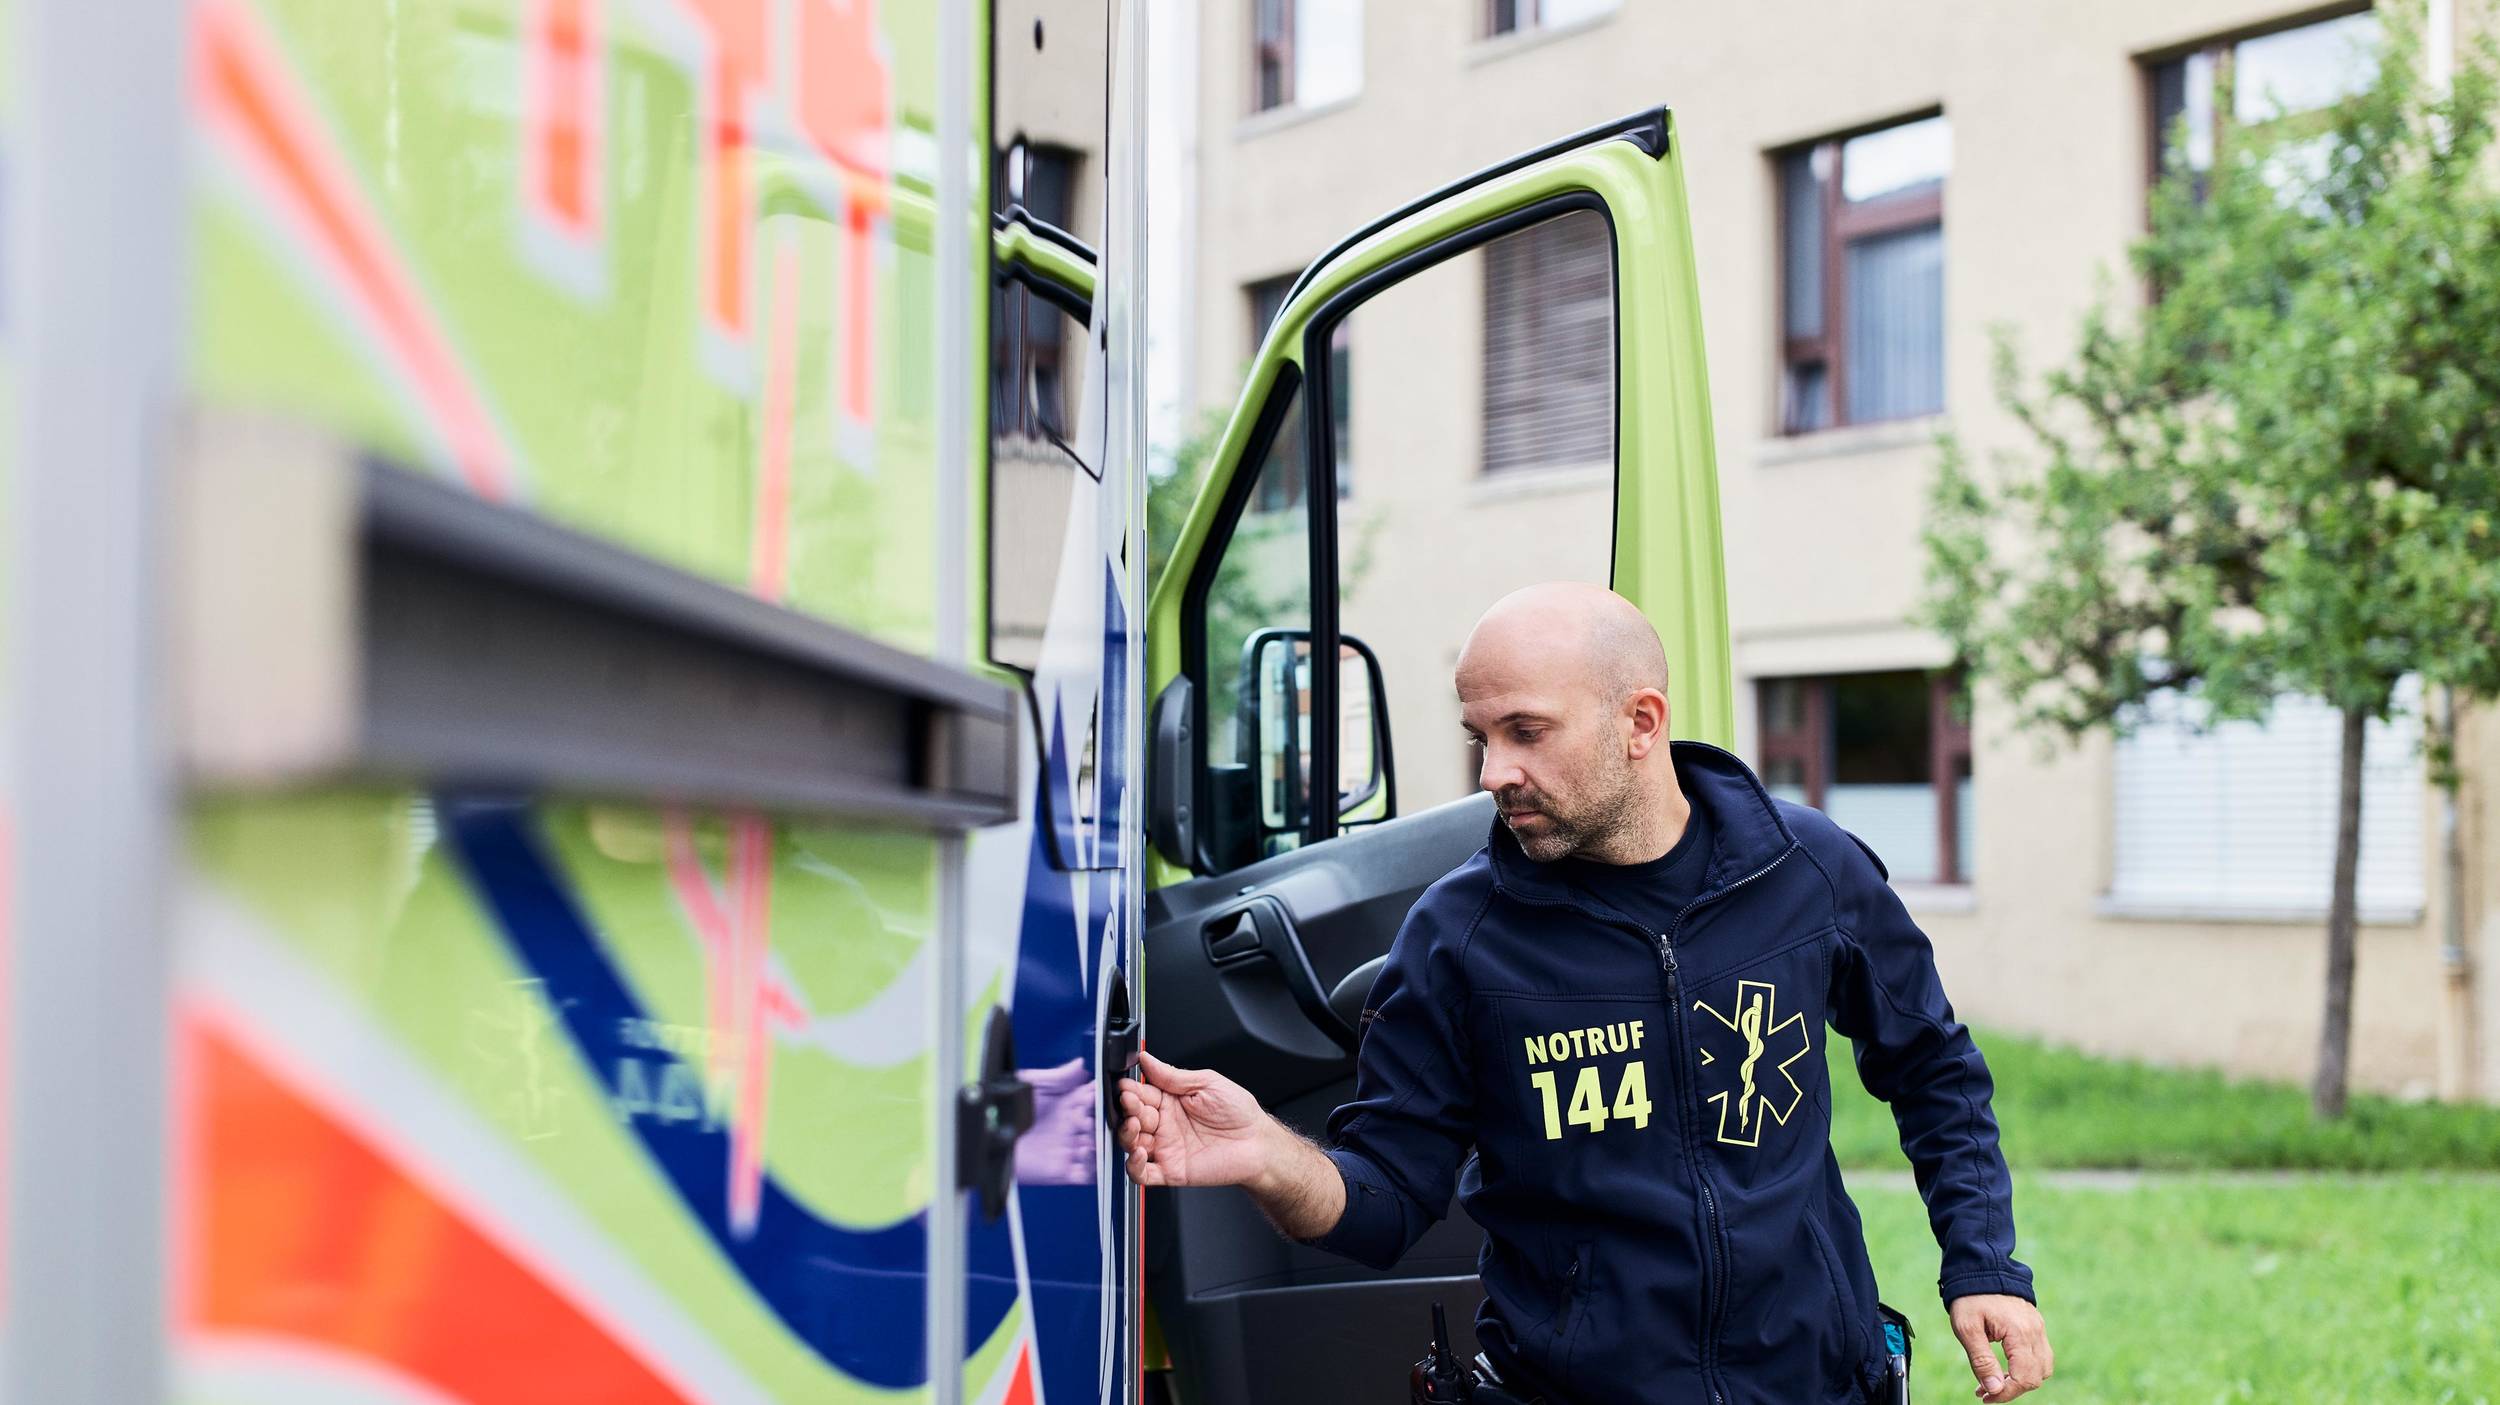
2281,473
2277,473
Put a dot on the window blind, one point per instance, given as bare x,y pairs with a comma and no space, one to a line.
1549,345
1896,325
2243,817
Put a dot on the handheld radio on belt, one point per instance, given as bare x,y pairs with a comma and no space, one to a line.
1897,1336
1439,1379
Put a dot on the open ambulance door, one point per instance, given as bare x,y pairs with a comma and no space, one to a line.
1578,447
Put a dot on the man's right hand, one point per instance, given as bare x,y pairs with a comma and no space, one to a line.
1190,1126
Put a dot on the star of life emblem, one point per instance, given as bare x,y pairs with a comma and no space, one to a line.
1762,1048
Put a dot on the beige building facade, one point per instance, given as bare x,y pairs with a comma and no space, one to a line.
2161,898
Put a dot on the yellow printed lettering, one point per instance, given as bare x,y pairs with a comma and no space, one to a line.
1536,1048
1632,1094
1545,1089
1588,1101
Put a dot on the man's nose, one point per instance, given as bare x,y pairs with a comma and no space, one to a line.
1498,771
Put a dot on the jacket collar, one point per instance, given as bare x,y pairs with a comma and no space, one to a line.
1747,833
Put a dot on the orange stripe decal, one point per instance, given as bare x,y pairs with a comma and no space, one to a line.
300,1229
1020,1390
859,322
769,574
250,98
729,205
566,55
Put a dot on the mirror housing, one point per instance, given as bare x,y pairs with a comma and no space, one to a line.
1171,772
1275,700
1214,814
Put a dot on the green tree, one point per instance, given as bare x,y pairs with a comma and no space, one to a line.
1253,593
1171,489
2276,476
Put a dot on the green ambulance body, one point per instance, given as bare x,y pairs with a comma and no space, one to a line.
597,795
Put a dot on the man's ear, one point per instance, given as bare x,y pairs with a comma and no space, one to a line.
1647,713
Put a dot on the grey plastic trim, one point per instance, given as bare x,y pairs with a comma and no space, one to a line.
959,201
1131,279
97,218
484,646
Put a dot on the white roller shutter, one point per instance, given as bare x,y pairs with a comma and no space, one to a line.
2241,820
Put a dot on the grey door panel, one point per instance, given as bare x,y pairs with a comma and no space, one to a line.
1256,973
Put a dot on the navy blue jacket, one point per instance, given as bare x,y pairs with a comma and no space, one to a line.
1650,1115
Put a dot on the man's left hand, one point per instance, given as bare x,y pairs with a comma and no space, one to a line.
1982,1318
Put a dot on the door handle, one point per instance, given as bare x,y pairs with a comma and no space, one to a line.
1260,931
990,1113
1122,1033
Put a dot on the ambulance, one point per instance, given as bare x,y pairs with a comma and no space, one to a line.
598,794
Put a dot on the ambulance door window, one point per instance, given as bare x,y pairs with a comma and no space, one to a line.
1481,404
1056,539
1256,793
1049,197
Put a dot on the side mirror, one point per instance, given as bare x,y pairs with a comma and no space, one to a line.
1172,773
1276,720
1215,812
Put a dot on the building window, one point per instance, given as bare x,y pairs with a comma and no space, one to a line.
1283,489
1305,53
2276,76
1886,755
1862,276
2239,818
1516,16
1549,345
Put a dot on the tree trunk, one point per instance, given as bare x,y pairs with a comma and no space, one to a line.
2326,1099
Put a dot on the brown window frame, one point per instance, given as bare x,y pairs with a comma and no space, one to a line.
1526,17
1843,224
2218,49
1811,745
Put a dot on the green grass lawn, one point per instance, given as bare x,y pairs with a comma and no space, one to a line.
2059,1108
2372,1290
2363,1275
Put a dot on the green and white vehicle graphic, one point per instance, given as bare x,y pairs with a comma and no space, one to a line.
597,793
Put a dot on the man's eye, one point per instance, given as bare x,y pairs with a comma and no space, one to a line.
1529,734
1474,740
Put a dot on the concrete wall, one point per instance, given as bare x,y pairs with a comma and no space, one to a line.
2048,183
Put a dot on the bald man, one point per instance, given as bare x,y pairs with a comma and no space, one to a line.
1617,1006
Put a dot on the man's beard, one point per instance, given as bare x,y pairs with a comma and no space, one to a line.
1560,836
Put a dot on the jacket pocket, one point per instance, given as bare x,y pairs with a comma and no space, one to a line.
1854,1336
1573,1314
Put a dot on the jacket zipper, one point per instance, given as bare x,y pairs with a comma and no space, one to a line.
1714,1288
1688,1100
1684,1128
